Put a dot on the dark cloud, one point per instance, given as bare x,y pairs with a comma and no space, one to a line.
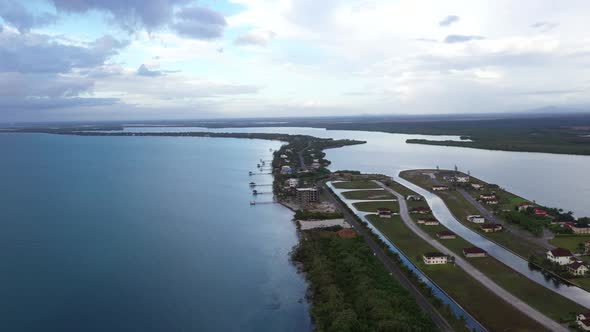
29,53
144,71
261,38
199,23
16,15
20,91
130,14
451,39
447,21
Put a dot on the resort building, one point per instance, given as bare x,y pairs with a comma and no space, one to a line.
446,235
307,195
524,206
414,198
581,228
491,227
428,221
488,196
583,321
292,183
439,188
472,252
577,269
477,186
540,212
384,213
560,256
420,210
435,258
476,219
462,179
286,170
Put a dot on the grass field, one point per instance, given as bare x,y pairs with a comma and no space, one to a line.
569,242
490,310
373,206
367,194
356,185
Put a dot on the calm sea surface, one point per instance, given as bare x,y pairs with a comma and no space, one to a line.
142,234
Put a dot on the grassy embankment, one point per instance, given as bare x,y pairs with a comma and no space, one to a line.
351,290
535,295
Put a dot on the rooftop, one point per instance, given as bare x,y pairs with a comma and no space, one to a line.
561,252
473,250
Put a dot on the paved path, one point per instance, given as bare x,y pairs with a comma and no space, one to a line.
471,270
394,269
541,241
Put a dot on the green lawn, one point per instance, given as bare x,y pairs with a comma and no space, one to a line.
569,242
367,194
400,189
490,310
356,185
373,206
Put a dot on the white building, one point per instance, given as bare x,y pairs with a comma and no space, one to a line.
476,219
477,186
560,256
583,321
435,258
286,170
462,179
577,269
292,183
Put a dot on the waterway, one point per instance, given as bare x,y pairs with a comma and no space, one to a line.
142,234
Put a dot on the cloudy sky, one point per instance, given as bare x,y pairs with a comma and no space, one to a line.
169,59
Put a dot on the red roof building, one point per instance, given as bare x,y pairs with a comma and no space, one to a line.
540,212
474,252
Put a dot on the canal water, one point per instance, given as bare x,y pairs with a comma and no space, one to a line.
142,234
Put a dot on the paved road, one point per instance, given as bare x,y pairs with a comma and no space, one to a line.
541,241
395,271
302,165
471,270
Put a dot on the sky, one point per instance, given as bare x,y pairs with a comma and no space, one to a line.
66,60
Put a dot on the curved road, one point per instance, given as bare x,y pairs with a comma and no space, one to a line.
471,270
